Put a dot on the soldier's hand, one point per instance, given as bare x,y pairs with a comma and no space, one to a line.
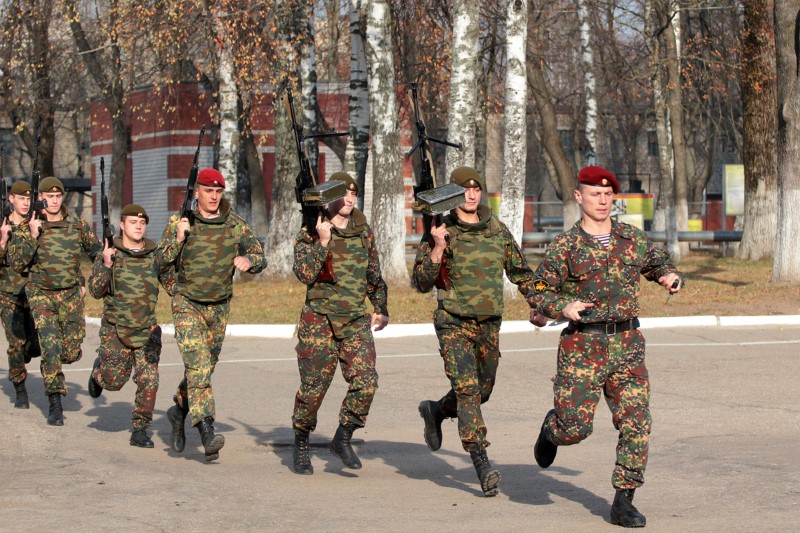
537,319
35,226
572,311
108,255
324,230
379,321
5,231
183,229
668,280
242,263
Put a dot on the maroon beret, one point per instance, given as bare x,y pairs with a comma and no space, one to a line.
598,176
210,177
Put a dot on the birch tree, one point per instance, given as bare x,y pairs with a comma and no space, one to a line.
357,153
786,263
227,108
760,124
463,84
515,148
589,90
388,203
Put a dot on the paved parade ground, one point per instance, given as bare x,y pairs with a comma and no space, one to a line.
724,446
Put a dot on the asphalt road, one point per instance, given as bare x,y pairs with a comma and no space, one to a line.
724,446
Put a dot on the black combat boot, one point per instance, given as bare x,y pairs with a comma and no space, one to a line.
22,396
341,448
211,442
544,451
300,456
431,413
95,390
488,476
623,513
56,415
139,438
177,418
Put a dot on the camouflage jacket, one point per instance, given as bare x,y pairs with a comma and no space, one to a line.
203,263
356,267
477,256
54,259
578,267
11,281
132,307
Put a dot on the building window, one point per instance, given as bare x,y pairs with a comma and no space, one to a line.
567,142
652,144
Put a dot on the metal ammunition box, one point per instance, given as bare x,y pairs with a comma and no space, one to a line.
440,199
324,193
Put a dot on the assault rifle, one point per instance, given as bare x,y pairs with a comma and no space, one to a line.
188,202
108,229
429,199
35,175
311,197
6,209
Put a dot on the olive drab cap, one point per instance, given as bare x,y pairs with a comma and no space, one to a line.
51,184
22,188
467,177
598,177
135,210
349,183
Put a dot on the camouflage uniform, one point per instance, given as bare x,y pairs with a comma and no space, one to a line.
577,267
334,323
130,338
468,319
23,343
204,286
54,290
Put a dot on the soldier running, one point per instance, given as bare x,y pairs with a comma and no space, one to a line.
23,342
590,276
471,251
205,252
335,326
52,251
126,277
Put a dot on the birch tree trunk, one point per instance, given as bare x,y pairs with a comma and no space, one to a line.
759,150
515,147
665,208
357,152
228,105
589,86
388,202
463,85
786,263
308,86
676,122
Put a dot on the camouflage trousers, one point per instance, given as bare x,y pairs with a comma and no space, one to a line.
471,353
199,332
612,365
23,343
116,363
58,315
318,352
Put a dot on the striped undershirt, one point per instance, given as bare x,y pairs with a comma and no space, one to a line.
604,239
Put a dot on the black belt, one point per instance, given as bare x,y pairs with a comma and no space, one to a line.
607,328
